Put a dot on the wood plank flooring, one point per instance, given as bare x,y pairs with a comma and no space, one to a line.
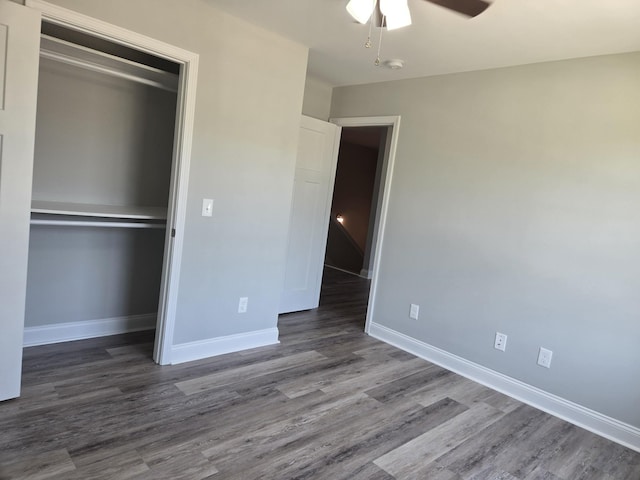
327,403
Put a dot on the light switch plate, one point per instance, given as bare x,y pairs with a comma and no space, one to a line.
207,207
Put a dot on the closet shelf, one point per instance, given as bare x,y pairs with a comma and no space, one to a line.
82,57
98,211
82,223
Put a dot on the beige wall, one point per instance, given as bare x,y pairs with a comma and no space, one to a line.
244,147
515,208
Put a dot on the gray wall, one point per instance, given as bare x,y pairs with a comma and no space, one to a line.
99,140
514,208
78,274
317,98
244,147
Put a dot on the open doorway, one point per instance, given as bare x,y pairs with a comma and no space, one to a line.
355,208
109,60
102,163
26,44
354,203
316,164
389,126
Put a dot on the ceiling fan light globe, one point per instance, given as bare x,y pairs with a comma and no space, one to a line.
361,10
396,13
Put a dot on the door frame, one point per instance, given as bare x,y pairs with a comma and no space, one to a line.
387,176
183,135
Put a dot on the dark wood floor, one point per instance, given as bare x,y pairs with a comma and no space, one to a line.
327,403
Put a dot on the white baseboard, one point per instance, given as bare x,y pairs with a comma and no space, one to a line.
187,352
66,332
605,426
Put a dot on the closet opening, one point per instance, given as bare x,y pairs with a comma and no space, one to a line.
103,181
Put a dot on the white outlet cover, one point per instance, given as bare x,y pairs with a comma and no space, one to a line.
414,311
544,357
500,342
243,304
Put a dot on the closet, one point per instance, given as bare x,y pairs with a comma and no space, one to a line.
101,182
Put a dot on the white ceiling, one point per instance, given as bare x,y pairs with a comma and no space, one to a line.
510,32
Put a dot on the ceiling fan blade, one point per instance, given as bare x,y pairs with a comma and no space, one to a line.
470,8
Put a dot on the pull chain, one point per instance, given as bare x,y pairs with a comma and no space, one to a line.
368,42
377,62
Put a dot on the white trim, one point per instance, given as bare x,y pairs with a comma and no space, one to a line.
595,422
185,114
66,332
178,212
187,352
394,123
113,33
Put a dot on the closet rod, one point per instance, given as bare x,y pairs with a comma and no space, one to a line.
78,223
59,57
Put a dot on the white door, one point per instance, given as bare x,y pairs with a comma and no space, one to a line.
311,204
19,49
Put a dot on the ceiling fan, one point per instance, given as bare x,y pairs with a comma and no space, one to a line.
470,8
395,13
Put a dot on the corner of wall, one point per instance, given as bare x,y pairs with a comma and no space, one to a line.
317,98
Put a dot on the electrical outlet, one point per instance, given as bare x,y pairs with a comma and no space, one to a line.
500,342
242,304
414,311
544,357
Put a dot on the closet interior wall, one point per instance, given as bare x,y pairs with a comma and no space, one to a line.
103,150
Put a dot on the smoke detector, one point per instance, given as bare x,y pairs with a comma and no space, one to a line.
394,64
